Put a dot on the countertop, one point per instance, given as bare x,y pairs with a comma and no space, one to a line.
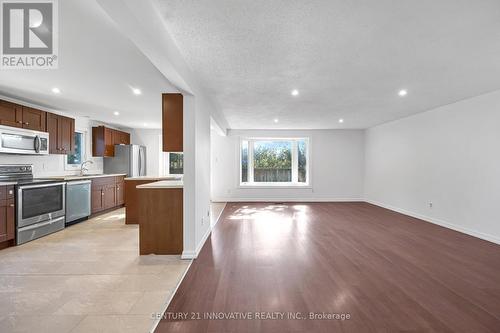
163,184
154,178
7,183
76,177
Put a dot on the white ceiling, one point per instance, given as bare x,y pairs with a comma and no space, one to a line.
98,66
348,59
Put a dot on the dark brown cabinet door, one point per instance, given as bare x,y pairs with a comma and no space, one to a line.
53,130
172,124
126,138
11,114
116,137
120,197
61,134
104,140
123,138
34,119
97,196
66,134
109,146
6,220
109,196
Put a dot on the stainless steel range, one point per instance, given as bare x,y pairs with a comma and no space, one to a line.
41,203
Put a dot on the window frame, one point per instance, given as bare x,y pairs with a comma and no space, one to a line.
295,167
73,167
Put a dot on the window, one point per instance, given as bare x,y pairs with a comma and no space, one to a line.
75,160
172,164
176,164
274,162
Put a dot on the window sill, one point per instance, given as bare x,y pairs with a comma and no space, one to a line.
276,185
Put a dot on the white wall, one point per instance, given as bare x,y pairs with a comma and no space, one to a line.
197,111
336,165
54,165
449,156
151,139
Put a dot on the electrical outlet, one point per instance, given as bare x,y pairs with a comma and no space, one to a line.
431,205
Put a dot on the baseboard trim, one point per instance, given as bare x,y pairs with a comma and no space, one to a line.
288,200
189,255
439,222
171,297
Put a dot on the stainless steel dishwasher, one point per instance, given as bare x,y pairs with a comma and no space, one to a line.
77,200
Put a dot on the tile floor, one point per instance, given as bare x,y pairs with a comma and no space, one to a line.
86,278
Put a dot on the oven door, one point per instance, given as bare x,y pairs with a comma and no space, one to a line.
38,203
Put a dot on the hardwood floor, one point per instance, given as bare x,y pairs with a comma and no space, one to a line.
388,271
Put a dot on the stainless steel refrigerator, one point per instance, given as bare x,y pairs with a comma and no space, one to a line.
129,159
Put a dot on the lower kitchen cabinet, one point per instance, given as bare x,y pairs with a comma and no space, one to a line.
107,193
109,196
120,192
7,215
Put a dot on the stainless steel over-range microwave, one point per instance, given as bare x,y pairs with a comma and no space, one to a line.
23,141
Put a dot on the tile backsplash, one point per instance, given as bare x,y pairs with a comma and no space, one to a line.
49,165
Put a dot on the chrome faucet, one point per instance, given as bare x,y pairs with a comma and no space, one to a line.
83,169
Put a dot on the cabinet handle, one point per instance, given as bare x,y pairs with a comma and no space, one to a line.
26,123
19,121
11,192
11,205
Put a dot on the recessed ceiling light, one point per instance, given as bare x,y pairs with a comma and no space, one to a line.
276,120
116,113
341,120
136,91
402,92
56,90
295,92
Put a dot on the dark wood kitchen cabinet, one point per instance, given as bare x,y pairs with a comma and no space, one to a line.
104,140
97,200
172,123
120,137
7,216
15,115
34,119
120,191
107,193
11,114
62,134
109,196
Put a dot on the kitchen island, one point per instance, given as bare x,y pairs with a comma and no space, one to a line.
131,197
161,217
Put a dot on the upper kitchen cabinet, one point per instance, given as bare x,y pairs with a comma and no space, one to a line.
34,119
15,115
120,138
172,124
104,140
11,114
62,134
